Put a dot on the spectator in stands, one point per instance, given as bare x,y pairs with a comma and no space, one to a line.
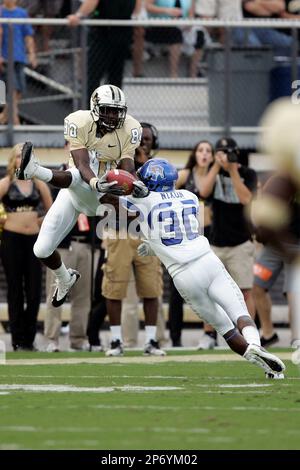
21,200
259,37
291,11
107,46
271,213
138,39
231,187
191,178
167,9
270,262
23,40
75,251
218,9
43,9
98,309
122,257
267,268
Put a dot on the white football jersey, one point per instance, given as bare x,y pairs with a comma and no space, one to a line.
105,152
169,221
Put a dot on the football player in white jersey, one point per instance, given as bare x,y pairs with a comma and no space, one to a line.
100,139
169,224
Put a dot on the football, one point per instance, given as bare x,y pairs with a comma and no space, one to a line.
124,179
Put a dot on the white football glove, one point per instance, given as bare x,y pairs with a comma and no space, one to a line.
101,185
140,189
144,249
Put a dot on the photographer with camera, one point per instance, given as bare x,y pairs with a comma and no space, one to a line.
231,186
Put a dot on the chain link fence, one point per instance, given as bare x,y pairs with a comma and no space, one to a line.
212,83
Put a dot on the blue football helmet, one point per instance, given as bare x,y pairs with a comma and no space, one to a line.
158,175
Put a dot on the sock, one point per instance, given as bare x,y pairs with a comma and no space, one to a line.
150,331
43,174
251,335
116,332
62,273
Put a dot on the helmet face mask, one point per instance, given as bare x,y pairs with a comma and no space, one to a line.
111,117
158,175
108,107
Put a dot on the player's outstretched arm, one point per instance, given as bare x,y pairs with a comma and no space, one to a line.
82,161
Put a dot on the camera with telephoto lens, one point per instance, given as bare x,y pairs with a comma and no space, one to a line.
231,155
230,148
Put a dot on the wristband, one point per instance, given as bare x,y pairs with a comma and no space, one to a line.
93,183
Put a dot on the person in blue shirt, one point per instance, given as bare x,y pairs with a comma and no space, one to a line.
23,44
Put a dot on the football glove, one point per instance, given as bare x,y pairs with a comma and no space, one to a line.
103,186
140,189
144,249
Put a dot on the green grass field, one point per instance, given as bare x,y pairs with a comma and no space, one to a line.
184,401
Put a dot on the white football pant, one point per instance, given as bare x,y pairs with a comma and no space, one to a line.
211,292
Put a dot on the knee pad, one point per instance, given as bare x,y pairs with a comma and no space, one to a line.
41,249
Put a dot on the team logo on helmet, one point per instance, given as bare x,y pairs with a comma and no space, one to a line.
155,171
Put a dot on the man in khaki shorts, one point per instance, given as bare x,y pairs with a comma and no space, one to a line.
232,187
122,259
122,256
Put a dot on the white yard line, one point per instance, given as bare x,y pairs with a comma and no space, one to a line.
136,360
98,376
165,408
243,385
71,388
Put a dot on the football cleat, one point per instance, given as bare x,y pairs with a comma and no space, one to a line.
296,357
29,163
94,348
259,356
116,348
266,342
274,375
63,288
207,342
152,349
52,347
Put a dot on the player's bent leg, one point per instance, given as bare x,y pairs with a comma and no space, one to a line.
196,296
226,293
58,222
236,341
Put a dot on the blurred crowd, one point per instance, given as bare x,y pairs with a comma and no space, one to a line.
108,48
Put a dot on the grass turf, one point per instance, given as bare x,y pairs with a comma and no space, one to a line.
195,405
